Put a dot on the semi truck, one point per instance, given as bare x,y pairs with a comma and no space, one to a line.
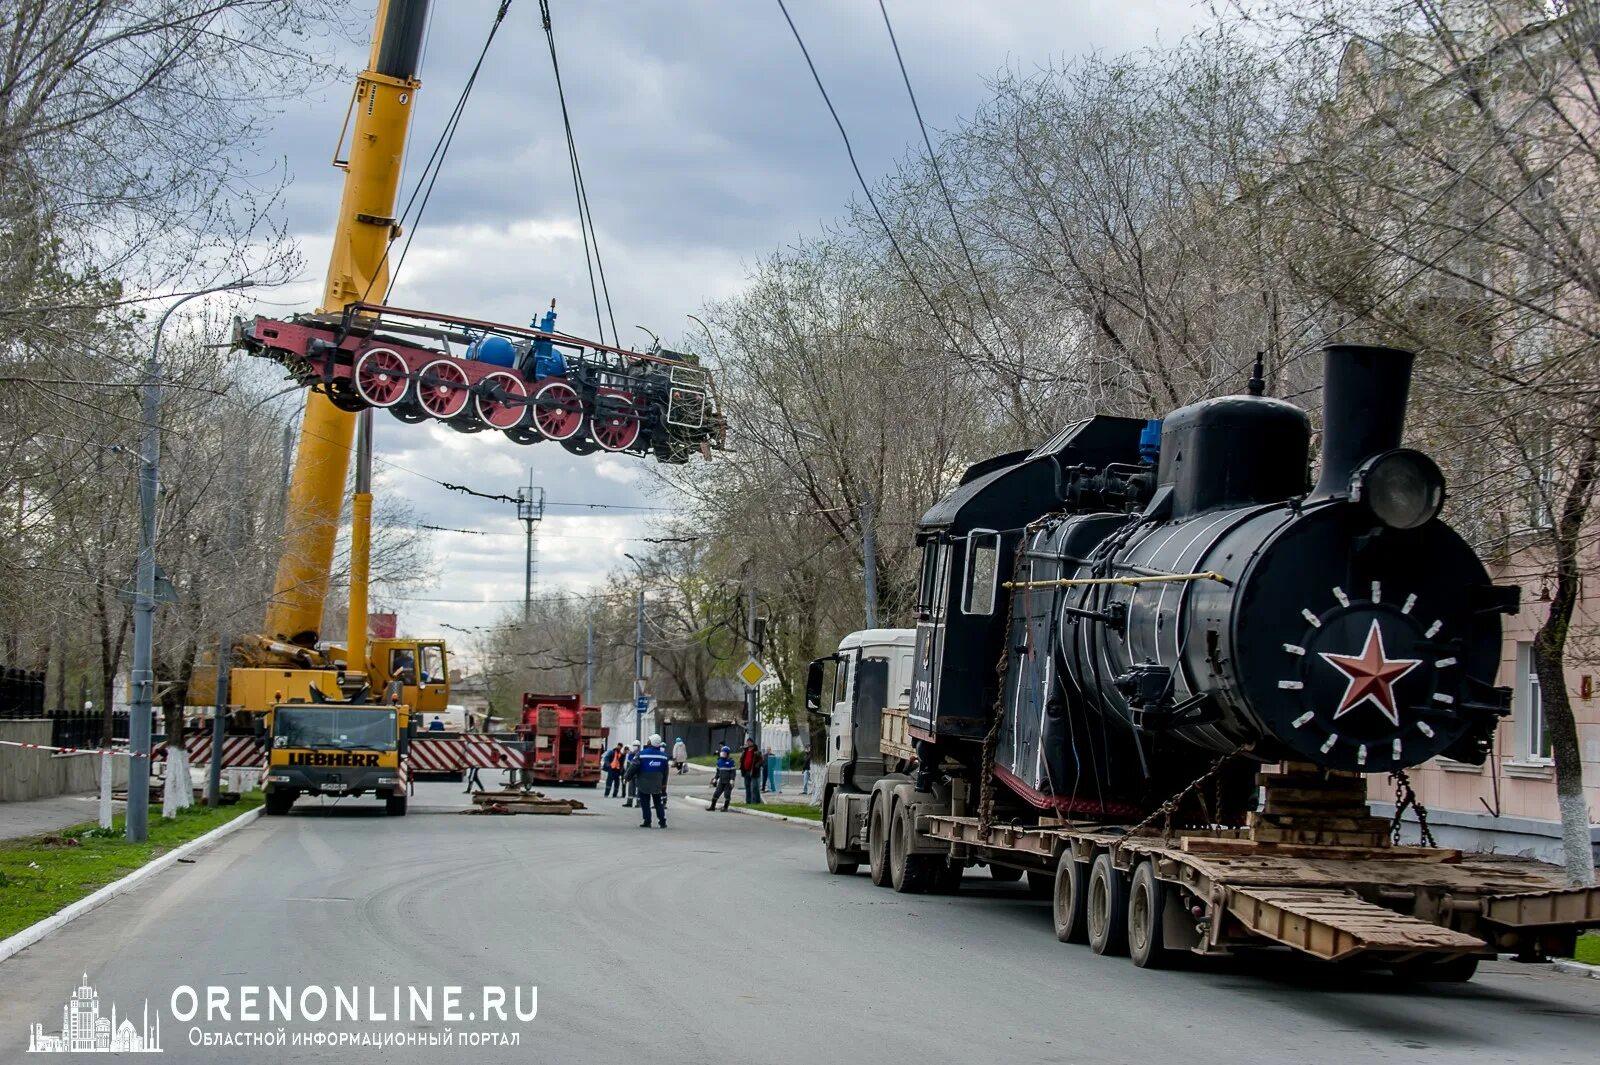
1155,663
1428,913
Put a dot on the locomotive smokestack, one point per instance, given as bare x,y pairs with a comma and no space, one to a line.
1364,390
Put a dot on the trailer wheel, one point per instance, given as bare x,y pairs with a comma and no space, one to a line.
1147,902
911,874
878,842
395,806
1070,899
1004,873
1108,908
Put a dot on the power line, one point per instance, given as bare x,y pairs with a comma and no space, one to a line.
441,149
944,191
580,191
862,181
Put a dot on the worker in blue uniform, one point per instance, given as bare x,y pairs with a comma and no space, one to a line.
649,772
722,787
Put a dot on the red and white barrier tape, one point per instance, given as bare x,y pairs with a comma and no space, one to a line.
123,751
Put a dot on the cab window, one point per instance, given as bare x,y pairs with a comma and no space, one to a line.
432,664
403,665
983,572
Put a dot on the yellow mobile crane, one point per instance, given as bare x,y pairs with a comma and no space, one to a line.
286,662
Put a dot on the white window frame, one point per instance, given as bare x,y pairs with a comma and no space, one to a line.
973,542
1528,703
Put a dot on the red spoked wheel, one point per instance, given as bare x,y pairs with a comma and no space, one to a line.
502,413
443,388
381,377
557,410
615,423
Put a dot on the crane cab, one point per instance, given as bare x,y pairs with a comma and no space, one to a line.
422,668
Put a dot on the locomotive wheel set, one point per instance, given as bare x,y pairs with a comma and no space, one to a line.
530,384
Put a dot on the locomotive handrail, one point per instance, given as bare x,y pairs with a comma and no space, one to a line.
1080,582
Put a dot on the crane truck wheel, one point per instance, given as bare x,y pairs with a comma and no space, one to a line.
1070,899
1147,902
1005,874
278,802
1108,908
878,841
911,874
395,806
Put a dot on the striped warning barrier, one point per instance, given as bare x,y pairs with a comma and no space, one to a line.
122,751
464,752
240,751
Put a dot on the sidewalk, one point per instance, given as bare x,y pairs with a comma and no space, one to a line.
30,817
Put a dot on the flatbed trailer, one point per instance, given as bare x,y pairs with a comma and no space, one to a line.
1212,893
1310,871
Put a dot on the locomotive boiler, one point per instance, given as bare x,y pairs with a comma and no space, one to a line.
1158,594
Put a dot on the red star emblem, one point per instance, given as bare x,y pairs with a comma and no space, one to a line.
1370,676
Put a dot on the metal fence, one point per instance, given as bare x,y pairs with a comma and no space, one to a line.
22,695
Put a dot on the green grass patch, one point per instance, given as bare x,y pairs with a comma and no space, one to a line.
703,759
40,875
787,809
1588,949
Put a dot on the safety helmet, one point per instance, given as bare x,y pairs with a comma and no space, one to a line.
726,749
655,739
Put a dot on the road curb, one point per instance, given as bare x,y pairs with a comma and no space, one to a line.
1575,968
37,931
807,822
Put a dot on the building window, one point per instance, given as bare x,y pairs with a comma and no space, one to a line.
1529,708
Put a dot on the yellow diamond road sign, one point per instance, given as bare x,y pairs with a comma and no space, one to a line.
752,673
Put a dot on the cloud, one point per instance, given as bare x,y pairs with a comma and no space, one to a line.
704,147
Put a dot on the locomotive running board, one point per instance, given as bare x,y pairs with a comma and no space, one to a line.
1334,924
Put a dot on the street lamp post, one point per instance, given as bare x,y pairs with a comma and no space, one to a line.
638,654
142,675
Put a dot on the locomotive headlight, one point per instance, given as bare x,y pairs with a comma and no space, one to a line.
1403,488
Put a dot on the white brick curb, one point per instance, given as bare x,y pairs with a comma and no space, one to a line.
37,931
1575,968
806,821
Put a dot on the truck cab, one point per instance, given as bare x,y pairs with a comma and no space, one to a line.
338,749
862,688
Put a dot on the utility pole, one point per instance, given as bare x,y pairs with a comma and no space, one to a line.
588,665
530,511
638,667
142,675
752,717
869,554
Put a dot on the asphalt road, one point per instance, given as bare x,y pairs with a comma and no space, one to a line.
722,939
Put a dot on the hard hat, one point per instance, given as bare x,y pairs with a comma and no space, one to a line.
726,749
655,739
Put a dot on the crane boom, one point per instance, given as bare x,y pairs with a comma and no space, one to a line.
384,100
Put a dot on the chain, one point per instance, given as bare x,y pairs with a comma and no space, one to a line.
1404,796
986,781
1170,807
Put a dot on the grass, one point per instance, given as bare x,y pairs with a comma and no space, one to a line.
787,809
703,759
41,875
1588,949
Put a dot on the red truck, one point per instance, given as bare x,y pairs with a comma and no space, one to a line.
566,741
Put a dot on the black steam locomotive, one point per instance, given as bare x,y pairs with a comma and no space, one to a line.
1157,594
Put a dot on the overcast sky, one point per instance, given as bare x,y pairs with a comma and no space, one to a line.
704,147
